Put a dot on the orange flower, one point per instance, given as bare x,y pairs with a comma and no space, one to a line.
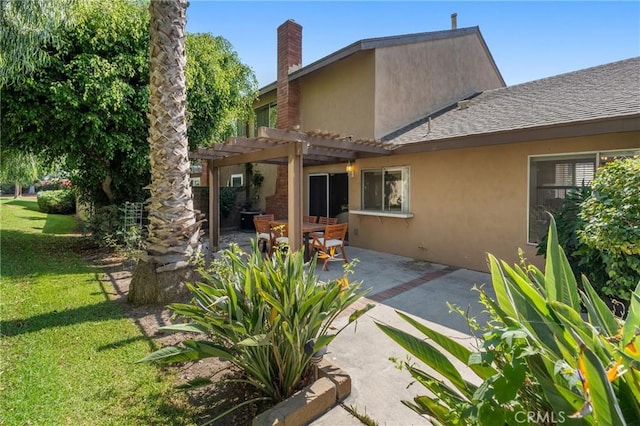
612,373
631,347
343,283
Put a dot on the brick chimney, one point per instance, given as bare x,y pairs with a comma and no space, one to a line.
288,105
289,60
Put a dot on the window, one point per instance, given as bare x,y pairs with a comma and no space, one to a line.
240,127
551,178
237,179
266,116
386,189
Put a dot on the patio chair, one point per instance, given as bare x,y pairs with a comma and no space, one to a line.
264,234
310,219
280,234
327,244
267,217
325,221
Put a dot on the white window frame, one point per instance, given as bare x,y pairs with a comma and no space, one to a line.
405,173
596,156
236,176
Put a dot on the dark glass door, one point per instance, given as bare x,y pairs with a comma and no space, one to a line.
328,194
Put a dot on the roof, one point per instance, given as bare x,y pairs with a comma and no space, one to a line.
598,93
379,42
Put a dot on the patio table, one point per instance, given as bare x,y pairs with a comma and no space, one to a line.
307,229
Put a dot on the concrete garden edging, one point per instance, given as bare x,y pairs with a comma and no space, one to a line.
333,385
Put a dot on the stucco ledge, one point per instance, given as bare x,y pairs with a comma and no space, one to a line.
381,214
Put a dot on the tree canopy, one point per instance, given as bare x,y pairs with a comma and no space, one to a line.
18,168
27,27
88,101
220,89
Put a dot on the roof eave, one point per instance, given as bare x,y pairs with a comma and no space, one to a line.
619,124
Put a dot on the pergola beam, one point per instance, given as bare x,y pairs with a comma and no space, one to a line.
345,143
254,156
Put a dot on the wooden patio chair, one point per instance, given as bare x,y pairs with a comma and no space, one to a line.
263,234
280,239
310,219
267,217
325,221
327,244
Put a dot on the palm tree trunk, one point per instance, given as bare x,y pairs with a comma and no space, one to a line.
174,225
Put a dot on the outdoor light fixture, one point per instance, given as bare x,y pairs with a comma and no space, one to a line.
349,169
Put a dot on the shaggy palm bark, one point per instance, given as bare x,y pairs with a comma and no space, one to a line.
174,228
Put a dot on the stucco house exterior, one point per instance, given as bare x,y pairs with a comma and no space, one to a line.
472,164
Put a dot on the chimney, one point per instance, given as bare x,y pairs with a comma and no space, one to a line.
289,60
454,21
288,108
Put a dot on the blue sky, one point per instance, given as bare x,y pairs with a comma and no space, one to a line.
528,40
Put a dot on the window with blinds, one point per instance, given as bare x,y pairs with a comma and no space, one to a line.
552,178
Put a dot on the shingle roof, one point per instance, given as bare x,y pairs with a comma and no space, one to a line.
605,91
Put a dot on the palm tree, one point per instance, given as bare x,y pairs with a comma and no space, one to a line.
174,227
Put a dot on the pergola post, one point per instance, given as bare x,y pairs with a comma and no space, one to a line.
214,206
296,151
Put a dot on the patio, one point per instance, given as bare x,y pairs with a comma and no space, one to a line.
416,287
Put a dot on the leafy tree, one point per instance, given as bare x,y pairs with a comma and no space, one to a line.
220,89
27,27
18,167
174,229
88,102
612,224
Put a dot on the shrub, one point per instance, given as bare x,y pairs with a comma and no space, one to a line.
62,201
103,224
54,184
268,316
537,354
611,218
228,199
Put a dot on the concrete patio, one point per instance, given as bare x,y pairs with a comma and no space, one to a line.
415,287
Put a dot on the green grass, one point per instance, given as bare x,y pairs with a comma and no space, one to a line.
66,351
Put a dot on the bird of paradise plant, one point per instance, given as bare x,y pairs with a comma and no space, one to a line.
537,353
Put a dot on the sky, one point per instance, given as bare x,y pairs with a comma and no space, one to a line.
528,40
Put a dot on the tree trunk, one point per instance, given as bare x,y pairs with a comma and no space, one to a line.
17,190
174,225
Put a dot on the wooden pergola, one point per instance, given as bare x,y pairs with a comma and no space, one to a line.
277,146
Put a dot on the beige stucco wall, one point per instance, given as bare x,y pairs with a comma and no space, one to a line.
416,79
340,98
466,202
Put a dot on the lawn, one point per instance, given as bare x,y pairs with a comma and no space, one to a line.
66,352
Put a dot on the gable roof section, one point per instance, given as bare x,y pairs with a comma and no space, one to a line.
379,42
605,92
